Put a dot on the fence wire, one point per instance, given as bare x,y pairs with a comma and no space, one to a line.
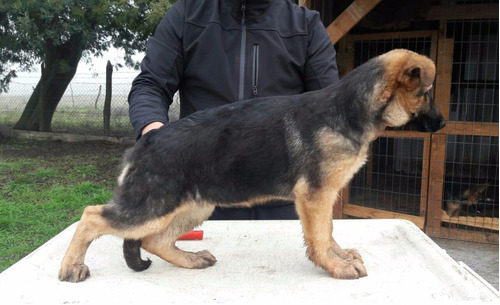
80,110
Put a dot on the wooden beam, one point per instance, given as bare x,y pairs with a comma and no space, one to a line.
393,35
403,134
436,178
477,222
471,129
465,11
370,213
349,18
424,182
437,163
444,65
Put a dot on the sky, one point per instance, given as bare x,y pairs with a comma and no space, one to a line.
92,72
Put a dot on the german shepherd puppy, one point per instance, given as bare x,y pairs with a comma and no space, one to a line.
460,198
303,148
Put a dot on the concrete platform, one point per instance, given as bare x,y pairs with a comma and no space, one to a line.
258,261
482,258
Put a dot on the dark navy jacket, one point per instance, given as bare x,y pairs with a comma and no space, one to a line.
216,52
213,55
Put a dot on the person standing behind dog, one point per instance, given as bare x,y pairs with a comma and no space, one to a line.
216,52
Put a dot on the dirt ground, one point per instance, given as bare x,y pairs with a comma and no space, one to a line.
103,155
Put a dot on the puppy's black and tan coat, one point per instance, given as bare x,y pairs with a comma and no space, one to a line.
303,148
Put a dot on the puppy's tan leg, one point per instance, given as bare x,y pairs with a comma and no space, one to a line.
163,243
91,226
315,211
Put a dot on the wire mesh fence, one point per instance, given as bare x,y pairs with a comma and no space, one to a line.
80,110
468,157
447,183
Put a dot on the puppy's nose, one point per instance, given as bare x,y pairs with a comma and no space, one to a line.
442,123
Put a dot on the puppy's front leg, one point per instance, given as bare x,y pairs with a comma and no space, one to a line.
315,212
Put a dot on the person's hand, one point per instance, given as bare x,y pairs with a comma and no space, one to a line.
151,126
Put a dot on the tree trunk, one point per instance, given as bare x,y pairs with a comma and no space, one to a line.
58,69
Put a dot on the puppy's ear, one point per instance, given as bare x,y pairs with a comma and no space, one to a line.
483,187
417,71
414,72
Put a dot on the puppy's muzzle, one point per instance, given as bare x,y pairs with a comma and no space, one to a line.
430,121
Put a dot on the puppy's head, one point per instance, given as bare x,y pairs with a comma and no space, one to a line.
407,93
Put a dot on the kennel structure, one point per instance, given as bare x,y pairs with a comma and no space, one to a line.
447,182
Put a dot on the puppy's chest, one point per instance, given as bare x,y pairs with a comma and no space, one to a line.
340,169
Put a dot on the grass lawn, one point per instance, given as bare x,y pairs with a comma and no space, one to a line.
44,187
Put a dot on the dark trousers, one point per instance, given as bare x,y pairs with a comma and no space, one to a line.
272,210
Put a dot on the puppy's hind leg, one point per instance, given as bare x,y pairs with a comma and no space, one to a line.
94,224
163,243
91,226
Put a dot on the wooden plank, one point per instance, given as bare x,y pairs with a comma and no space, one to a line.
436,178
442,95
478,222
463,12
349,18
403,134
370,213
434,46
442,92
471,129
392,35
424,183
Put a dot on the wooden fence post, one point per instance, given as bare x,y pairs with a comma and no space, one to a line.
107,99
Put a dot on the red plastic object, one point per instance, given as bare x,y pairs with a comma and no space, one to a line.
192,235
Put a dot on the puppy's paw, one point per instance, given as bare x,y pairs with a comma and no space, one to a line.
202,259
352,254
348,270
74,273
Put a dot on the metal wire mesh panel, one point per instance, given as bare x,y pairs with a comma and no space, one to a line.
80,110
392,180
366,49
450,179
469,179
474,87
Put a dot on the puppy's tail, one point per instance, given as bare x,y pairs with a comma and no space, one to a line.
132,253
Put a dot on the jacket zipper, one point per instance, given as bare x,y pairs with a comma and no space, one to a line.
242,51
255,70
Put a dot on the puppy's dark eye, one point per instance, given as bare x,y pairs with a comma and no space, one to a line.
427,93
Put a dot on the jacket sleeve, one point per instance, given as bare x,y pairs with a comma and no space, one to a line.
161,71
321,66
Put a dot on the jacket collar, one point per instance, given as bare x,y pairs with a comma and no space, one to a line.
253,8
